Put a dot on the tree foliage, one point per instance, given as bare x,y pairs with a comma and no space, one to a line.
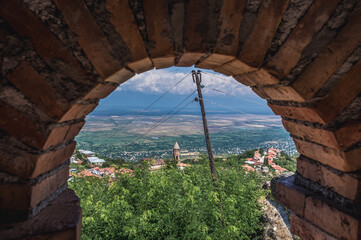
171,204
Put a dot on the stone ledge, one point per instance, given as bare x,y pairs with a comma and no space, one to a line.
306,230
333,218
61,219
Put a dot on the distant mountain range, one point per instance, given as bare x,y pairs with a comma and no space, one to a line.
128,103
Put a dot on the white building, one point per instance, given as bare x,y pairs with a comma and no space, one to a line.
87,153
96,160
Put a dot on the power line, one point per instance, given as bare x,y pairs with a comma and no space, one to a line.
228,107
237,97
224,79
125,125
165,118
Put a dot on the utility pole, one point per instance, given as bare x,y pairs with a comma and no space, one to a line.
197,78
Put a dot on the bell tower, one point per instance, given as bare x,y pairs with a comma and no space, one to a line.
176,152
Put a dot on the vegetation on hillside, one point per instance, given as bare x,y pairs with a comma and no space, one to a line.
173,204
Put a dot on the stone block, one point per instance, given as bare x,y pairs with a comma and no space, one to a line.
90,36
61,219
298,113
163,62
101,91
214,60
78,111
257,78
43,40
159,33
329,60
349,134
230,18
290,195
332,218
282,93
290,52
255,47
30,165
38,90
234,67
188,59
25,195
338,159
344,91
141,65
120,77
62,134
124,23
307,231
318,135
347,185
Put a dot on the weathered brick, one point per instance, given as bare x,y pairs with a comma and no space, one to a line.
123,20
230,18
159,32
341,160
121,76
349,134
21,126
163,62
141,65
290,52
26,24
60,220
344,184
299,113
290,195
344,91
101,91
282,93
25,196
328,61
234,67
37,89
78,111
259,78
307,231
188,59
324,137
214,60
62,134
194,32
333,219
30,165
90,36
257,43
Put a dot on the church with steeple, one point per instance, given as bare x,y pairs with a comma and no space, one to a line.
176,152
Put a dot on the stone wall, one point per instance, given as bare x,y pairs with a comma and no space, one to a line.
60,57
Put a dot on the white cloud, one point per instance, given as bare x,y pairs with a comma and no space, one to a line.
159,81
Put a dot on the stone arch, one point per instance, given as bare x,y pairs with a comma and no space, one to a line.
60,57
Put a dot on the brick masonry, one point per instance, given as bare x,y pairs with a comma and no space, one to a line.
303,57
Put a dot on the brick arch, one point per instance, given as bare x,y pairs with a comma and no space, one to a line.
60,57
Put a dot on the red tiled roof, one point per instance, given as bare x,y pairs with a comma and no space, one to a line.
248,168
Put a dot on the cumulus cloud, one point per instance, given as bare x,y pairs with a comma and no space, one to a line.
159,81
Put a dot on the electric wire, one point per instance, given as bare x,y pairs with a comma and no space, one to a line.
170,89
224,79
228,107
217,90
160,122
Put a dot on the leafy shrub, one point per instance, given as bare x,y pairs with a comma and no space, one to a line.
171,204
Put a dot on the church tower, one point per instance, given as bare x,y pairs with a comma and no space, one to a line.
176,152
